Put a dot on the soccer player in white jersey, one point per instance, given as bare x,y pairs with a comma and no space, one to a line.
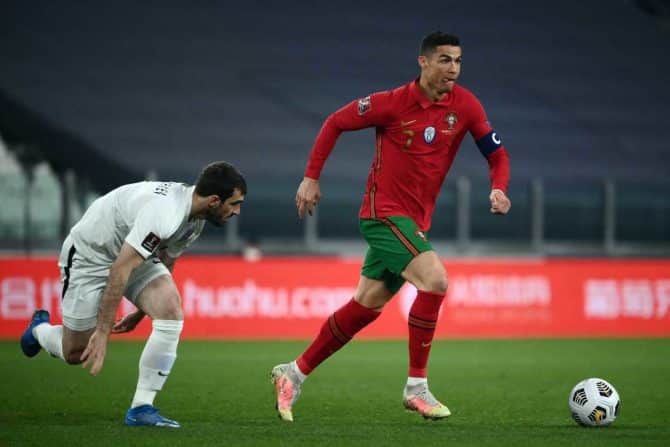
126,244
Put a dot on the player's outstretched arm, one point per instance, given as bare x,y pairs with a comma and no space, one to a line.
359,114
93,356
308,195
500,203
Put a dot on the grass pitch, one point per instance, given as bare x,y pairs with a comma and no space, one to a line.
501,393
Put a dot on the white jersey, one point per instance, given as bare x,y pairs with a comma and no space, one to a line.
149,216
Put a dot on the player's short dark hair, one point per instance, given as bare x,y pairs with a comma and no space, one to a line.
220,178
435,39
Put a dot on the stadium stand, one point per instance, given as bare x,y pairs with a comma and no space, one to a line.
46,203
573,87
13,194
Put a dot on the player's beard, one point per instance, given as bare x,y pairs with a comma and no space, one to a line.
448,87
441,88
213,218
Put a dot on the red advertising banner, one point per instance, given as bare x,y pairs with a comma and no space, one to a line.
288,298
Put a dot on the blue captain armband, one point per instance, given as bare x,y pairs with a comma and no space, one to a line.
489,143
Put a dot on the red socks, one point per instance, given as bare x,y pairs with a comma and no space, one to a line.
342,325
422,321
336,331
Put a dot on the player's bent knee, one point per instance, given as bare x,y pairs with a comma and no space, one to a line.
173,312
370,302
73,357
169,310
437,284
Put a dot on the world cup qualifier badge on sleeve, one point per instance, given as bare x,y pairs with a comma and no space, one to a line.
150,243
364,105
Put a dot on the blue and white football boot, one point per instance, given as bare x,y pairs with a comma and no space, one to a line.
29,344
147,415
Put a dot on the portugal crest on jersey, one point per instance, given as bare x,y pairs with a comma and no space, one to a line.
429,134
451,119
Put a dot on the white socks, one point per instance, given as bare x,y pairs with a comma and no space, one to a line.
414,381
50,338
298,374
157,359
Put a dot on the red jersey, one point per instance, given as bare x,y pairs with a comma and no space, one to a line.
417,141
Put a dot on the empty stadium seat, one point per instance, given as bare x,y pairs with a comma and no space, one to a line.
45,203
13,195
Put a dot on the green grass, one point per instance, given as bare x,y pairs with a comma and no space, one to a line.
501,393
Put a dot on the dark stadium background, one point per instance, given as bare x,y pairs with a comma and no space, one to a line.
120,91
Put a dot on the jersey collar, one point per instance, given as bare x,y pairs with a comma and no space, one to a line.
421,98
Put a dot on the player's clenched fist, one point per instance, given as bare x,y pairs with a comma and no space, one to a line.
500,203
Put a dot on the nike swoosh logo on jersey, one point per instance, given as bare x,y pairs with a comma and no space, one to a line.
407,123
425,345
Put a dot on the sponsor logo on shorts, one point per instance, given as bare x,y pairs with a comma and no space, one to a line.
420,234
150,243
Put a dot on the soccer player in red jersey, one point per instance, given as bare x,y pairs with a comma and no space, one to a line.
420,126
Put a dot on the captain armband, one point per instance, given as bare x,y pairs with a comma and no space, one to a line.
489,143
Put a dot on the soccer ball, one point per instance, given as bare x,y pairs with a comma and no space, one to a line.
594,402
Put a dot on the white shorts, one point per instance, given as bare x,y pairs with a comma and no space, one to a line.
84,283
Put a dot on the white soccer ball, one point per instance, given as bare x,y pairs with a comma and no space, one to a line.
594,402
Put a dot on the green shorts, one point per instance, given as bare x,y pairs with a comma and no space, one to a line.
393,242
